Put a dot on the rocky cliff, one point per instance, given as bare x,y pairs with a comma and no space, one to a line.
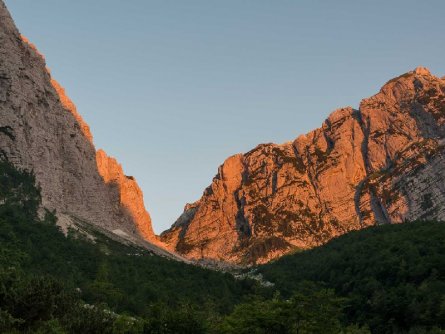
382,163
41,130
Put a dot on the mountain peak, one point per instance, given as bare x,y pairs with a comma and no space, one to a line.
381,163
420,70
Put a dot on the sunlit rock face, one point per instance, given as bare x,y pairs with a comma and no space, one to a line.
383,163
41,130
130,195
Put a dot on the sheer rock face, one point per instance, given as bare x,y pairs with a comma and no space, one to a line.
383,163
41,130
130,195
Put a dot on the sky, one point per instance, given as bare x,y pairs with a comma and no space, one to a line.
173,88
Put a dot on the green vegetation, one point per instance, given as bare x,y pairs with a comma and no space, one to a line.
392,277
427,202
286,158
311,310
52,283
388,279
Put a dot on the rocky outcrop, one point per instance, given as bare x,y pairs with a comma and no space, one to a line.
130,195
381,163
41,130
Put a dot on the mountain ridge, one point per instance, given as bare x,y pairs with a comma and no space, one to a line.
278,197
42,131
380,163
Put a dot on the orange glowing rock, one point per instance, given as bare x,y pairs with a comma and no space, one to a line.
131,197
382,163
69,105
76,180
32,46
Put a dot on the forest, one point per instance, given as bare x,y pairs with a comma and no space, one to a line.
384,279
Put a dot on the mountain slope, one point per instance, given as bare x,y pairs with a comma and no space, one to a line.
382,163
41,130
46,277
392,275
390,278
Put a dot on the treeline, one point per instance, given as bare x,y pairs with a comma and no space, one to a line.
52,283
387,279
392,277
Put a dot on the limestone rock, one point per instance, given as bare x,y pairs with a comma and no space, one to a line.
41,130
382,163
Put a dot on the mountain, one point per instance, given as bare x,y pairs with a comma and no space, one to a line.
41,130
390,279
55,283
378,164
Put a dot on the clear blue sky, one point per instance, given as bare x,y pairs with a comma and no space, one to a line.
172,88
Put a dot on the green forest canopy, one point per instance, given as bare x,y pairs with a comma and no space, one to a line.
387,279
